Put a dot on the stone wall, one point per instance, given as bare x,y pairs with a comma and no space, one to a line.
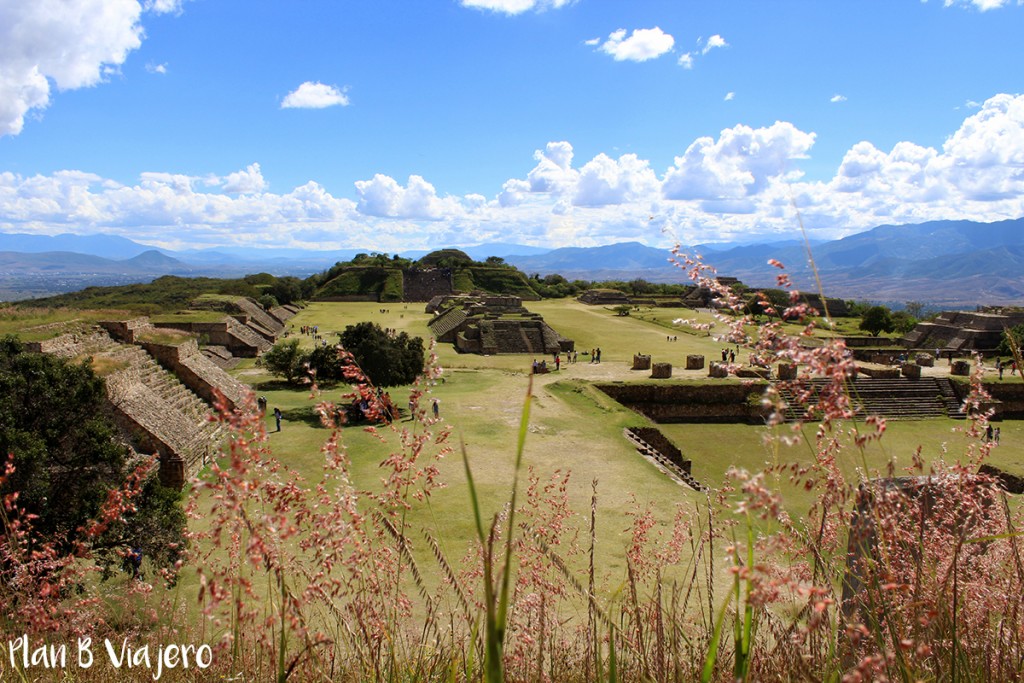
259,315
720,403
1010,394
655,438
425,284
604,297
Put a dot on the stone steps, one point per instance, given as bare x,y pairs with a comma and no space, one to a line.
893,398
665,463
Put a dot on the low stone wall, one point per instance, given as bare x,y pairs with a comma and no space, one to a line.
1010,393
878,371
694,362
655,438
720,402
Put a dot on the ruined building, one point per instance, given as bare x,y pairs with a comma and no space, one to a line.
492,325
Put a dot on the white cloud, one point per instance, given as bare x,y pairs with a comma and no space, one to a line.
738,164
971,104
686,60
641,45
383,197
741,185
156,68
604,181
68,43
983,5
316,95
713,42
592,42
247,181
729,96
513,7
837,98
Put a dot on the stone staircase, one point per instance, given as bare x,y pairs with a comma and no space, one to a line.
675,466
894,399
169,411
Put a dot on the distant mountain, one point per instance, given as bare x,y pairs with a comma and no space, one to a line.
63,262
107,246
622,256
949,263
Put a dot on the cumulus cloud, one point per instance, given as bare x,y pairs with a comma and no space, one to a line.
641,45
384,197
513,7
592,42
686,60
835,99
315,95
983,5
738,164
604,181
714,42
738,185
729,96
156,68
246,181
69,44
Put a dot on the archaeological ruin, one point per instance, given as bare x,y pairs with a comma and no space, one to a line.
493,324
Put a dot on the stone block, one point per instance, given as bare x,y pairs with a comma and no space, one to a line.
911,370
925,360
641,362
716,369
695,362
961,368
787,371
661,370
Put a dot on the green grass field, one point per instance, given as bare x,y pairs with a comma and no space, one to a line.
573,426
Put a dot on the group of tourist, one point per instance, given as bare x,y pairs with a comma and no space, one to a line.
992,435
1001,366
728,356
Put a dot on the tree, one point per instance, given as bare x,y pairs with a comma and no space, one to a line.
903,322
286,360
327,363
286,290
877,319
67,459
1005,348
386,360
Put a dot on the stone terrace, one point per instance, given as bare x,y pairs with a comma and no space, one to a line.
154,410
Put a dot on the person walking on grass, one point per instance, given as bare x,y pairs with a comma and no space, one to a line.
277,418
437,408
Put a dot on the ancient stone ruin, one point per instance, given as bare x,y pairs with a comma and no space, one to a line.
962,332
495,324
160,388
604,297
246,331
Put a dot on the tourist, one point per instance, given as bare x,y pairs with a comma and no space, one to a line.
437,408
988,433
277,418
558,362
995,435
597,355
261,404
732,356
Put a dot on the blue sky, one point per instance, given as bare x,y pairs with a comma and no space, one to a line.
401,124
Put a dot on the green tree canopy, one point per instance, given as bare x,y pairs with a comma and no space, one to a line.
386,360
67,458
1005,348
285,359
877,319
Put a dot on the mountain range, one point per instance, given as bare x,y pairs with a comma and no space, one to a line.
941,263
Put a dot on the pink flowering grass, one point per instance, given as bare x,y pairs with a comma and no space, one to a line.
315,578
